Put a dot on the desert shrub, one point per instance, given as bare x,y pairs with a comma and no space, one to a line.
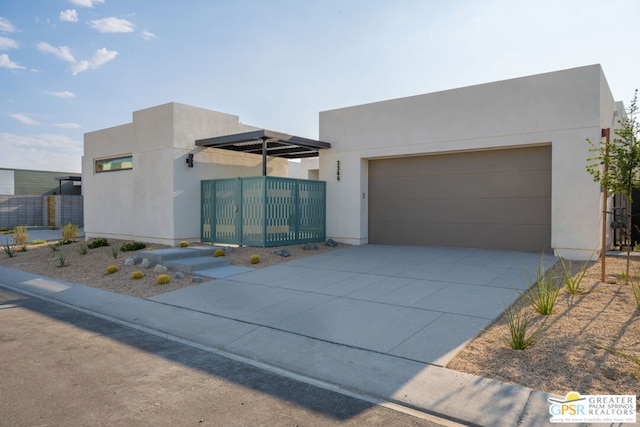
98,243
184,244
20,235
132,246
219,252
54,246
38,242
3,229
112,269
69,232
9,250
137,275
163,279
254,259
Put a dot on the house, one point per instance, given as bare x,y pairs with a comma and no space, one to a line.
498,165
142,180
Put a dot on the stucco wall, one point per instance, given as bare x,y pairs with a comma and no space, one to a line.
158,201
562,108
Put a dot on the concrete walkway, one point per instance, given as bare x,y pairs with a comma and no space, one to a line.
380,321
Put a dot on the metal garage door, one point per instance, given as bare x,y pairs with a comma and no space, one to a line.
496,199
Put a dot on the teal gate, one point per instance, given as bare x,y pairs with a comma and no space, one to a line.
263,211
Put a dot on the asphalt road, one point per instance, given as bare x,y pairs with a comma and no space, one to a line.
61,367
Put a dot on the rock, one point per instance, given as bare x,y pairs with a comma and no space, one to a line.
331,243
179,275
309,247
145,263
197,279
160,269
282,252
131,260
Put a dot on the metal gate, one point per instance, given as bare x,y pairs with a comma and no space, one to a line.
263,211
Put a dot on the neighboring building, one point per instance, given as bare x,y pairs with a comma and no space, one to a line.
21,182
498,165
138,184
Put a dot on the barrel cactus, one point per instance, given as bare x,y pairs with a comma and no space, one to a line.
163,279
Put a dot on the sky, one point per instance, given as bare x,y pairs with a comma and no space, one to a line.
68,67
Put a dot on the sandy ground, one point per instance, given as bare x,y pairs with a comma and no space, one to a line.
564,359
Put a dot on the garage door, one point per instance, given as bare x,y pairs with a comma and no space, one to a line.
496,199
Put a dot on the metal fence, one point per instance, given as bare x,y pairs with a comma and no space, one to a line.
54,211
263,211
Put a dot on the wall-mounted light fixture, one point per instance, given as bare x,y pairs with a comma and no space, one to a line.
338,170
190,160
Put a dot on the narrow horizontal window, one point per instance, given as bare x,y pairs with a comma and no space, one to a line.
114,164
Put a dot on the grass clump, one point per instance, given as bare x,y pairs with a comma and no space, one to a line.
38,242
61,260
254,259
112,269
69,232
544,294
571,281
132,246
136,275
163,279
219,253
114,251
83,249
98,243
520,334
20,235
55,247
184,244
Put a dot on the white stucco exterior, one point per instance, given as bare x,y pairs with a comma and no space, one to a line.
561,109
158,200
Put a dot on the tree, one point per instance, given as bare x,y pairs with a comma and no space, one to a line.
617,165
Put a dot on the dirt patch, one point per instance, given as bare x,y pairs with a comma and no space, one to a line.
566,357
90,268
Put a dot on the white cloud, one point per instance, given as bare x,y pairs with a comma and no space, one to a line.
6,26
42,152
69,15
60,94
62,52
147,35
5,62
24,119
85,3
112,25
6,43
99,58
67,125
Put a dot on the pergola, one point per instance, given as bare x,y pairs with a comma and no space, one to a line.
267,143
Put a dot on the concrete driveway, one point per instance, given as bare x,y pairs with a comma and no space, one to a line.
416,303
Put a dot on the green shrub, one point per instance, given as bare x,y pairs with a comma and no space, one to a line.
132,246
219,252
69,232
163,279
20,235
255,259
112,269
137,275
184,244
98,243
38,242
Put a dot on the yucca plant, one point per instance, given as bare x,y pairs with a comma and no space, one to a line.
9,250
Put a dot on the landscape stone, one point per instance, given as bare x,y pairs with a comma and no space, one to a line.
160,269
131,260
145,263
331,243
310,247
282,252
197,279
179,275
